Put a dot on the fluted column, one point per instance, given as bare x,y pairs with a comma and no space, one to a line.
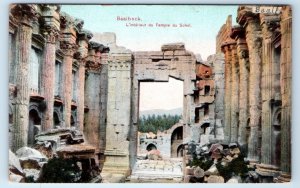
68,46
81,55
251,24
24,14
266,168
50,31
234,95
285,79
238,34
227,128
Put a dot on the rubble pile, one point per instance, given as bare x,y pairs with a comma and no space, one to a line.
217,163
59,155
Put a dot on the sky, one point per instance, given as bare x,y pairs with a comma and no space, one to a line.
202,23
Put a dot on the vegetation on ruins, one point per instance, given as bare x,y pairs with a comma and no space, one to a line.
154,122
59,170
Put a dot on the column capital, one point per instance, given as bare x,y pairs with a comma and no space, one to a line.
286,12
227,45
50,22
24,14
68,48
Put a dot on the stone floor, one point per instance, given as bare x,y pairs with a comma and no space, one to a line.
157,171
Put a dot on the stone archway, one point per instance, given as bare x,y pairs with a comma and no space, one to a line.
151,147
125,72
176,141
180,150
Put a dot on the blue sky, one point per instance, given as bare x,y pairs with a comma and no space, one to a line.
205,21
200,38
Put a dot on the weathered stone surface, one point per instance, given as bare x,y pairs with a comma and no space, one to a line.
235,179
212,171
16,178
29,172
31,158
198,172
215,179
14,164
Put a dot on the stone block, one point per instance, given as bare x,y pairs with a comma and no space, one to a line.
215,179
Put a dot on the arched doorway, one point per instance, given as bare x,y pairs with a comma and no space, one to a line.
34,122
180,151
176,141
151,147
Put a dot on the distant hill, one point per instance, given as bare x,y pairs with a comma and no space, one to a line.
175,111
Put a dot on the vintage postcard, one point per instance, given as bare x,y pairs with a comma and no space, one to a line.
150,93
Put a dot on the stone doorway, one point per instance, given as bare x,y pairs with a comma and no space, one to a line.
126,70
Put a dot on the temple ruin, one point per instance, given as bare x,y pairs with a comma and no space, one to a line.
78,91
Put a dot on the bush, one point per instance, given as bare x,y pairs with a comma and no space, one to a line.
204,164
59,170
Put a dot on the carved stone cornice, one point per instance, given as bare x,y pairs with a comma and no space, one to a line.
270,25
98,47
237,32
245,14
66,21
85,35
23,13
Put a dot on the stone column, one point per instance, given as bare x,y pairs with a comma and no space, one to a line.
266,169
227,128
286,79
251,24
24,14
234,94
81,55
50,31
238,34
68,46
